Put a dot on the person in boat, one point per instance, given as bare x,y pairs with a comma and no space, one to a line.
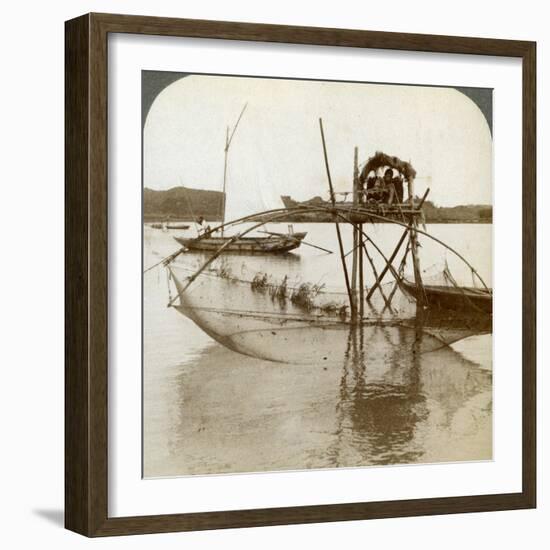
204,229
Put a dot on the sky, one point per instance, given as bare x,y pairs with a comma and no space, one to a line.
277,147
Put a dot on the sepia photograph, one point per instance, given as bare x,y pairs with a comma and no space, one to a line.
317,274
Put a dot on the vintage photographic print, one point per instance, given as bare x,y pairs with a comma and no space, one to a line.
317,274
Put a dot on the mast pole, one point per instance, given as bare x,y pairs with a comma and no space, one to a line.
333,201
226,151
228,140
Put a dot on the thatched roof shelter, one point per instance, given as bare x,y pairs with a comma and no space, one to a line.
379,159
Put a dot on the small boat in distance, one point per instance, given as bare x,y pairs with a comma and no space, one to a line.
177,226
165,226
278,243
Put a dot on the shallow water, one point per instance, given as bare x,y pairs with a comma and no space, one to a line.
211,410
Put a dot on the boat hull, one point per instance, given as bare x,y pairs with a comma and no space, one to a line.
251,245
454,298
170,226
177,226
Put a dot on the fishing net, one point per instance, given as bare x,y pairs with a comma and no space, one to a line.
286,319
237,286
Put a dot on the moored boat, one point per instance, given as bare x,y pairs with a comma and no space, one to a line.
254,245
453,298
172,226
177,226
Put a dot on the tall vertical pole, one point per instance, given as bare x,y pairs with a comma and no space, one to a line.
356,237
228,140
226,151
338,234
413,239
359,200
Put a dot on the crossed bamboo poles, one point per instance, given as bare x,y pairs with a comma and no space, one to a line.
339,212
359,242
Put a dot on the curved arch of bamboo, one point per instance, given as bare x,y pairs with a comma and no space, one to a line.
450,248
277,213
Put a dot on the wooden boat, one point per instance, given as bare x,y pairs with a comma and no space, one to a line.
177,226
253,245
165,226
454,298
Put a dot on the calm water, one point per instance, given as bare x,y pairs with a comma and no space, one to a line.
210,410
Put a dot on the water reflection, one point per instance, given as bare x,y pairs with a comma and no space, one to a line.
380,412
211,410
236,414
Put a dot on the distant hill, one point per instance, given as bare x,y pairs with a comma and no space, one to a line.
181,203
464,213
185,204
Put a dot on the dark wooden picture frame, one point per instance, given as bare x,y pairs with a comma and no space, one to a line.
86,279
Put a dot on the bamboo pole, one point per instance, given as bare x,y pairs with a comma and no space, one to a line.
302,241
354,270
388,263
401,266
340,245
280,213
226,152
339,212
361,278
356,239
166,260
228,140
358,200
387,267
276,214
221,249
373,267
425,233
421,293
405,233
